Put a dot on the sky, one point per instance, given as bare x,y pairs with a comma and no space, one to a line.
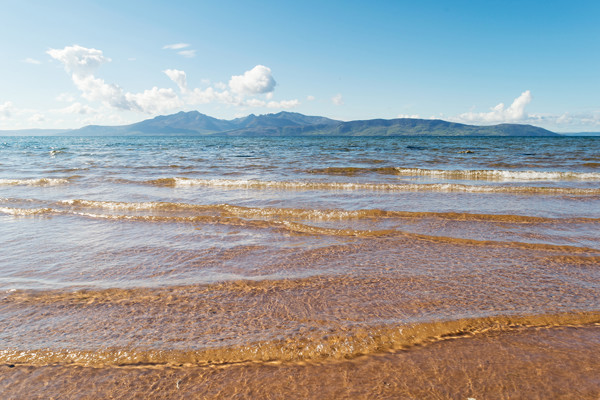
67,64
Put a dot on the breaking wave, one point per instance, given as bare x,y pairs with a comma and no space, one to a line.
35,181
343,186
485,175
291,221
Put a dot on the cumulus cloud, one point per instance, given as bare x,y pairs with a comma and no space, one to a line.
176,46
154,100
408,116
78,60
337,99
256,81
178,77
31,61
310,98
242,92
514,113
96,89
83,62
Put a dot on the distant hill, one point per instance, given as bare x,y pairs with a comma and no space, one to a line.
34,132
194,123
433,127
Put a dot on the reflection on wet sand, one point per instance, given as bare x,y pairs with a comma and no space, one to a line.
534,363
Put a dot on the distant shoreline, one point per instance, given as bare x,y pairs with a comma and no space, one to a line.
288,124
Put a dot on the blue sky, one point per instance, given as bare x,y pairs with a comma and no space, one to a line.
66,64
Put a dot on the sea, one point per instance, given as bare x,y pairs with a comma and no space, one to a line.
300,267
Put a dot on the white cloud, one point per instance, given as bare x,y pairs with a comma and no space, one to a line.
408,116
176,46
79,60
190,53
83,62
337,100
310,98
178,77
95,89
154,100
187,53
516,112
256,81
6,110
589,120
31,61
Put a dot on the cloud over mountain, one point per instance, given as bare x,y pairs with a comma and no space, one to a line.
83,63
515,112
258,80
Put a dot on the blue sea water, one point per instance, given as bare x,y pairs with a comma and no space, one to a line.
118,242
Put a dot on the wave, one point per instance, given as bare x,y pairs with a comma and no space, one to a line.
316,346
255,218
28,211
288,226
316,214
343,186
484,174
35,181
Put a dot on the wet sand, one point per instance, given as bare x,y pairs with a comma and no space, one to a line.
526,363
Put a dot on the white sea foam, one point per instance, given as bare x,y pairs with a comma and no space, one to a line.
25,211
501,175
113,205
34,182
349,186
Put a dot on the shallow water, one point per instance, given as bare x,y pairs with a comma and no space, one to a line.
218,261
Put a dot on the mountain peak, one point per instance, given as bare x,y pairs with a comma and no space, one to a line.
285,123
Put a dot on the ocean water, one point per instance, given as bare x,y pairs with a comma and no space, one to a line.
157,267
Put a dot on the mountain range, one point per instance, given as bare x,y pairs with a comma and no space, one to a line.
193,123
